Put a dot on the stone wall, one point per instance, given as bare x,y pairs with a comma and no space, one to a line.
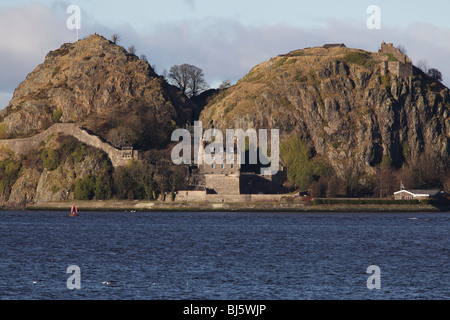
22,146
196,196
389,48
401,68
405,70
201,196
223,184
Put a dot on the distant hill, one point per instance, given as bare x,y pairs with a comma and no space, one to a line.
356,110
95,83
352,123
95,89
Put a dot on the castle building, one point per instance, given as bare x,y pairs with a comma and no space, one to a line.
398,63
221,171
226,172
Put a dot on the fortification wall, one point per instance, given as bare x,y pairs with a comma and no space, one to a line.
389,48
402,67
201,196
405,70
22,146
195,196
223,184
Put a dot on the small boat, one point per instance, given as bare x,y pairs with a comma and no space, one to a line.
73,211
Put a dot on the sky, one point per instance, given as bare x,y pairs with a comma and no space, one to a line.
224,38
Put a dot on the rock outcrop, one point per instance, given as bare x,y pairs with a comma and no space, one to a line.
85,80
64,113
24,145
342,103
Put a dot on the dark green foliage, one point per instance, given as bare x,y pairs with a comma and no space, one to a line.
50,159
79,153
70,150
359,58
9,173
94,187
103,187
386,162
391,57
364,201
313,77
302,168
134,181
85,188
55,71
291,61
435,74
296,54
57,114
280,62
124,185
142,180
406,150
386,82
149,186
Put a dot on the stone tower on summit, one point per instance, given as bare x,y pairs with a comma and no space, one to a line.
398,63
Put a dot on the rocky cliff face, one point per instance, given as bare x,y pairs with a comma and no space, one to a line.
50,171
85,82
343,105
100,87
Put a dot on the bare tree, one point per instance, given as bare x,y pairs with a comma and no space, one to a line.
188,78
165,74
179,76
333,188
446,184
423,65
121,137
132,50
225,84
402,49
115,38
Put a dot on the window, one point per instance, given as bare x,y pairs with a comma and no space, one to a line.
213,166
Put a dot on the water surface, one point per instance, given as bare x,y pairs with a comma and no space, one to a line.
274,256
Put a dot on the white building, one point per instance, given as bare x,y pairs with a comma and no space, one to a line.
416,194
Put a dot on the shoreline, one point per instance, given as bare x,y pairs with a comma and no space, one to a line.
155,206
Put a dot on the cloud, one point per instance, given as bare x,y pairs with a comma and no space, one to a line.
225,48
28,33
190,3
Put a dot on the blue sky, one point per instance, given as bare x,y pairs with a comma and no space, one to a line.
144,14
224,38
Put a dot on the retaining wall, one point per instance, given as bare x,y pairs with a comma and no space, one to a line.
22,146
